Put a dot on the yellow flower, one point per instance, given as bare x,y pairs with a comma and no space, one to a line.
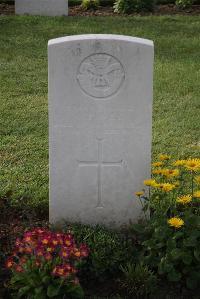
155,184
149,182
175,222
197,179
166,187
157,171
193,164
139,193
163,157
179,163
184,199
197,194
170,172
157,164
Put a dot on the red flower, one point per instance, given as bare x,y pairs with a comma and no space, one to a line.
18,242
14,253
38,230
45,241
65,253
68,267
28,237
58,271
37,263
76,252
18,268
59,238
28,249
73,270
68,240
54,241
62,270
39,251
75,281
20,249
23,260
9,263
50,249
48,257
84,250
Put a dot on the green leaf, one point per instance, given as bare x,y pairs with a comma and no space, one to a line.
39,293
176,254
191,242
16,278
186,269
150,244
178,235
187,258
75,292
38,290
192,282
167,267
171,244
160,245
139,228
23,291
174,276
52,291
197,254
46,279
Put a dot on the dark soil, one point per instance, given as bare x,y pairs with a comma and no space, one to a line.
6,9
170,9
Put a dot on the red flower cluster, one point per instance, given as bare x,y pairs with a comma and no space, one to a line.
41,246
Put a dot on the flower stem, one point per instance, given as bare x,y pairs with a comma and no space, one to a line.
192,183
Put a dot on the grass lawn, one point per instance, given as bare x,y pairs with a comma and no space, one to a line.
23,90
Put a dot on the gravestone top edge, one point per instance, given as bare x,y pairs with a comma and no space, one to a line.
113,37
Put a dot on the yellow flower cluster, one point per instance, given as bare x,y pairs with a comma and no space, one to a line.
192,164
163,186
166,187
150,183
157,164
164,157
170,173
157,171
197,179
197,194
169,177
179,163
184,199
175,222
139,193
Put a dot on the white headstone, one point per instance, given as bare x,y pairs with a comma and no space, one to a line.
100,114
41,7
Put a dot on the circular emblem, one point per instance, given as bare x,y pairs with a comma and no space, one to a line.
100,75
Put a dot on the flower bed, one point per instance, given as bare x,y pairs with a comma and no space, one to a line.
157,258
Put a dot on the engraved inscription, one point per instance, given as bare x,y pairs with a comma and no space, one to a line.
99,164
100,75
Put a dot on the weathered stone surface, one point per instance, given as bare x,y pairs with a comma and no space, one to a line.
100,111
42,7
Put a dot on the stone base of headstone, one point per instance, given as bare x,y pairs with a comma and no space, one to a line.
41,7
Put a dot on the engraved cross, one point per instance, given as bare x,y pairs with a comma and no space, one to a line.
99,164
